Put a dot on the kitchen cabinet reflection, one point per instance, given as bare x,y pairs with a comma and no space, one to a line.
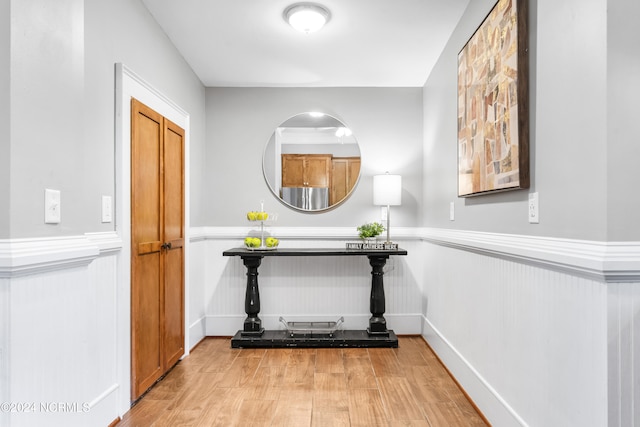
312,162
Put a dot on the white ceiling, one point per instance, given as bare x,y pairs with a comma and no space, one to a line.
367,43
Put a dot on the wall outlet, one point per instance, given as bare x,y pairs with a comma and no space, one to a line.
452,211
534,214
51,206
106,209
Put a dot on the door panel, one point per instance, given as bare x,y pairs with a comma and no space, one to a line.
354,172
173,183
174,235
157,252
147,363
344,174
318,170
145,191
292,171
338,180
146,146
173,337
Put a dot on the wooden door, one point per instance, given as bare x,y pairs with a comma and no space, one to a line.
344,175
339,179
157,240
173,293
318,170
293,170
354,173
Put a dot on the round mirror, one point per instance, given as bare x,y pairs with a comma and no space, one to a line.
312,162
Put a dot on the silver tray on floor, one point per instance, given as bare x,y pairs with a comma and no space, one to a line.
312,328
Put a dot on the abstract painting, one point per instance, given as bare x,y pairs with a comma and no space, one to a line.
493,98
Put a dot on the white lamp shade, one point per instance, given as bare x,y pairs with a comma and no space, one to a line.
387,190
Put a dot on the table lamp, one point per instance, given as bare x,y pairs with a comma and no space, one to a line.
387,191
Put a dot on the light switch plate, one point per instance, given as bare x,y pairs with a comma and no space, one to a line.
51,206
106,209
534,214
452,211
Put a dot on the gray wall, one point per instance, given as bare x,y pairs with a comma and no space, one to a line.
5,131
47,113
623,111
62,106
387,122
124,31
582,150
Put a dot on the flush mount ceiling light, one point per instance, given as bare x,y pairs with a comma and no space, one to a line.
307,17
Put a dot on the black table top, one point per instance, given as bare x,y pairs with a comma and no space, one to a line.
244,252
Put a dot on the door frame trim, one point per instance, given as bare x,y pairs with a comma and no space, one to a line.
129,85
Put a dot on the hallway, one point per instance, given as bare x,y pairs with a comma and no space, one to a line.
219,386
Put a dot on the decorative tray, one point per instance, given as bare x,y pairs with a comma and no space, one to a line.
310,328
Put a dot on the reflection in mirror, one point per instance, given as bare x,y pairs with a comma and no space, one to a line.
312,162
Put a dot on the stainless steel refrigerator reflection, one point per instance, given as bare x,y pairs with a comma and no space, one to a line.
306,198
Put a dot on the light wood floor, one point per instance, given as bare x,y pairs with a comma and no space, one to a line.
220,386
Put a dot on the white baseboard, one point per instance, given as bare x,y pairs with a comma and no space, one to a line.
197,331
494,407
223,326
404,324
103,407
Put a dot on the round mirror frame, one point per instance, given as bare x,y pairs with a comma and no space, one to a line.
324,123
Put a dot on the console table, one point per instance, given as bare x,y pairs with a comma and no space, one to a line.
253,335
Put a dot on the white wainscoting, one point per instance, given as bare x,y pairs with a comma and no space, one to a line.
4,347
536,330
624,354
308,288
198,282
539,331
58,340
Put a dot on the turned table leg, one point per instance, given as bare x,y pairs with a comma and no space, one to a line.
377,322
252,324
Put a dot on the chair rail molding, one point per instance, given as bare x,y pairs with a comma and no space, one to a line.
611,262
21,257
294,233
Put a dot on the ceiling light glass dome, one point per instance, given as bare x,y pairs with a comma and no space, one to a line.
307,17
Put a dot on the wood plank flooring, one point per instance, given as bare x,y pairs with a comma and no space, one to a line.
220,386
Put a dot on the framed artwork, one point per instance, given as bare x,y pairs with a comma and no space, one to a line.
493,103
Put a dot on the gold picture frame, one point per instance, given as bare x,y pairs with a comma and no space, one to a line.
493,103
